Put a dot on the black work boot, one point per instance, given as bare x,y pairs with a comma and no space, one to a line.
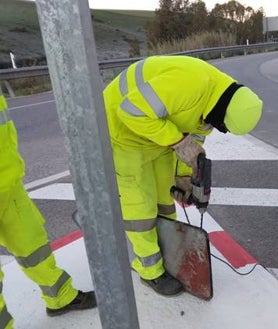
82,301
165,285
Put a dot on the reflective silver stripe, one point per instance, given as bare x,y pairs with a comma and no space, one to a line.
198,138
4,118
150,260
166,209
141,225
145,89
139,73
123,83
1,287
36,257
54,290
207,127
148,92
151,97
130,108
5,317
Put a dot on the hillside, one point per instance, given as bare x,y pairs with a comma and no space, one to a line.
20,32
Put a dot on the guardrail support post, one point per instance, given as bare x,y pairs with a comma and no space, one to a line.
9,89
70,48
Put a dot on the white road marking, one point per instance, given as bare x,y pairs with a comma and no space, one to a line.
6,259
46,180
60,191
31,105
209,224
219,196
244,197
220,146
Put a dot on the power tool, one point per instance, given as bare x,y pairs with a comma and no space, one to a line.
201,183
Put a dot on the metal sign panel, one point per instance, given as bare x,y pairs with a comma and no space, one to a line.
186,253
270,24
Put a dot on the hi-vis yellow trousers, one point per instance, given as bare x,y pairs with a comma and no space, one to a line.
144,178
22,228
23,234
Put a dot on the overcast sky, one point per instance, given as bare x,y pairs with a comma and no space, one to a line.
270,6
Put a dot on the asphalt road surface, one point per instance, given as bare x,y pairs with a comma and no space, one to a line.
254,227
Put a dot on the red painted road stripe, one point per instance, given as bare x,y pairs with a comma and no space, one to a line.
66,239
236,255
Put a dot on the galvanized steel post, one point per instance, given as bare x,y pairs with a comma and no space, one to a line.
71,54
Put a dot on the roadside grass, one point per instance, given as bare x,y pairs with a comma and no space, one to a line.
125,20
118,34
17,13
197,41
27,86
20,32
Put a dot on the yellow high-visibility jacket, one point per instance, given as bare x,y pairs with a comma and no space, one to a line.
154,101
11,164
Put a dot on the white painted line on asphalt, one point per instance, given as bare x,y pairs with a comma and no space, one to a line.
244,197
31,105
6,259
220,146
209,224
46,180
219,196
58,191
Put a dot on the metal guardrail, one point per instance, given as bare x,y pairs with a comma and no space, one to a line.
34,71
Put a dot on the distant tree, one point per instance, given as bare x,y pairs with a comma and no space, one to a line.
233,17
169,23
179,19
231,10
198,17
253,27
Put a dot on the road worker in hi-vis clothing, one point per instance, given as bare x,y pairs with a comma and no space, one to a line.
160,109
22,233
